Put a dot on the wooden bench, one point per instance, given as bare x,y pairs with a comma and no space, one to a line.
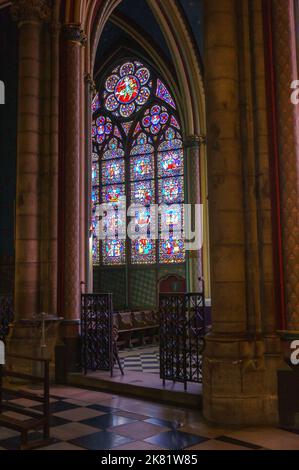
35,420
135,327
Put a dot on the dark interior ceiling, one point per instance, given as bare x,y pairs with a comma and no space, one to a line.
139,14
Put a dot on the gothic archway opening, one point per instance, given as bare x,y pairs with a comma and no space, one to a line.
145,153
137,199
137,159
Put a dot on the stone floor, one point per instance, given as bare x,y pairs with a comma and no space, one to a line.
84,419
141,359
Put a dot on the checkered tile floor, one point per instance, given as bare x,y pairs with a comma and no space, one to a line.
83,419
141,359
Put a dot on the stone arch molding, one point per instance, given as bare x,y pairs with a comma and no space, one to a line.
92,15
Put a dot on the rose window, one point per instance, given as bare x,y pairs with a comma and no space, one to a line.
127,89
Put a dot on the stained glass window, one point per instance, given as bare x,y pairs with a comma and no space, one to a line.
138,158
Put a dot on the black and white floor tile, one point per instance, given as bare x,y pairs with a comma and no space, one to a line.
86,420
141,359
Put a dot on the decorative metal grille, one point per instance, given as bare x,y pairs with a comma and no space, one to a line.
96,332
182,331
6,314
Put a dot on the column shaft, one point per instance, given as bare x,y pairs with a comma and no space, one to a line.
288,134
71,309
27,192
192,146
240,364
227,244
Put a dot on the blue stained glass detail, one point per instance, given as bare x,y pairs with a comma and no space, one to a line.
142,220
113,252
142,167
172,218
95,103
171,190
143,192
163,93
171,250
112,193
95,195
143,251
142,145
95,174
113,171
155,157
174,144
170,163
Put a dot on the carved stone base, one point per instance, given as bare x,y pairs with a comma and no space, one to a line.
25,339
240,380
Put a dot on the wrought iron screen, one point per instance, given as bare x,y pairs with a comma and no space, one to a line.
96,332
182,331
6,314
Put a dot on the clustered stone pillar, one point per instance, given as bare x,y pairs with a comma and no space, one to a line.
74,38
288,133
25,334
192,147
238,382
30,16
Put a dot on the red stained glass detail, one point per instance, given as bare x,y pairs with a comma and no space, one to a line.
127,89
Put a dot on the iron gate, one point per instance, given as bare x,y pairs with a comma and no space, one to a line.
6,314
96,332
182,331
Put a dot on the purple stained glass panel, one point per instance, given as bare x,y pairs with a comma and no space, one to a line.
127,89
142,221
95,103
113,252
113,171
95,174
95,252
143,251
171,250
163,93
170,163
112,193
95,195
174,122
113,224
171,190
143,192
142,167
172,218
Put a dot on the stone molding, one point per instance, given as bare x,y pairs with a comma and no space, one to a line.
91,83
31,11
194,141
73,32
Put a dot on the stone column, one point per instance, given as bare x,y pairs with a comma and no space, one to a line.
238,382
25,335
90,91
29,16
192,148
54,141
73,40
286,67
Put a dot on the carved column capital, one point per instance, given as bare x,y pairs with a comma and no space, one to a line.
73,32
91,83
31,11
195,141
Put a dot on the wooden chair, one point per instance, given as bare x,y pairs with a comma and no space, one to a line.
36,420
